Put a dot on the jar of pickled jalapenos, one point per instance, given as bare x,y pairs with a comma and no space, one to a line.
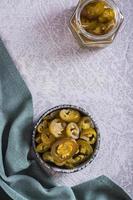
95,23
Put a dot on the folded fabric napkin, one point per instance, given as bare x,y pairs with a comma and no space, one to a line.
21,179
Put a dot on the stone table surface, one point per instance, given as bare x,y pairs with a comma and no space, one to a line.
58,71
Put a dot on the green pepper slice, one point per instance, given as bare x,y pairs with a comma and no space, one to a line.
84,147
42,126
69,115
57,127
72,130
38,138
72,162
89,135
47,157
85,123
107,15
64,149
93,10
47,138
41,148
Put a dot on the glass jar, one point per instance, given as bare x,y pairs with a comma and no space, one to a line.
92,40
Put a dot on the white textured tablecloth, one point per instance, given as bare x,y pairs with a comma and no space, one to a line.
58,71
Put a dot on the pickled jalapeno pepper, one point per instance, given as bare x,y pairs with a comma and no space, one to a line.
69,115
72,130
56,127
89,135
64,149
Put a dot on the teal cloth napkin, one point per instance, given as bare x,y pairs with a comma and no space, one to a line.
21,179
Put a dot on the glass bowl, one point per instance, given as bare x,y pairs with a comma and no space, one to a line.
49,166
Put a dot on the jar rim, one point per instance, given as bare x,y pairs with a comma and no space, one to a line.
113,5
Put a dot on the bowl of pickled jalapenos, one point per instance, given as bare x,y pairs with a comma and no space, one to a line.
65,139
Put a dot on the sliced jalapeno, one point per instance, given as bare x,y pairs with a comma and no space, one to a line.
72,130
57,127
100,29
85,123
93,10
47,156
69,115
59,162
52,115
87,24
38,138
89,135
72,162
64,149
84,147
107,15
40,148
47,138
42,126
